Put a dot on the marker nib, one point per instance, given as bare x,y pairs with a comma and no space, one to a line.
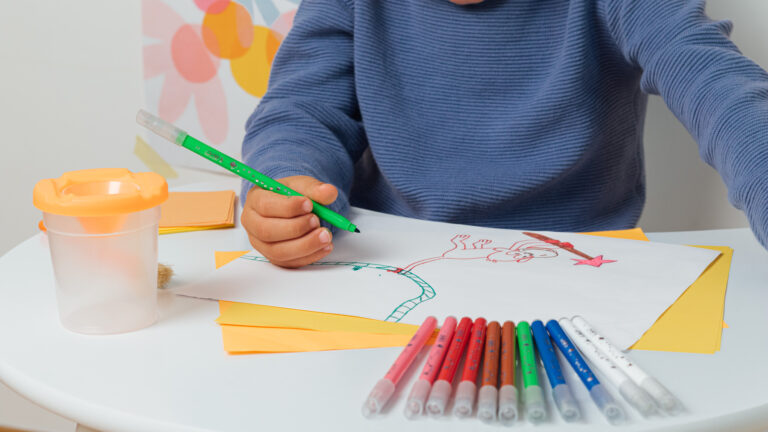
357,230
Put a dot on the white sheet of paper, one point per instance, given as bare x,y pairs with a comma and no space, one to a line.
404,270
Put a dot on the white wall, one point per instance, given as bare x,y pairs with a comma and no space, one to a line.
71,81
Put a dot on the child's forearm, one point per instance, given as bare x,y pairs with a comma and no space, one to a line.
717,93
308,122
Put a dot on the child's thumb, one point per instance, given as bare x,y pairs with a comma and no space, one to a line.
323,193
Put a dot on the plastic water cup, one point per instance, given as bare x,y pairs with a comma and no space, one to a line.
102,229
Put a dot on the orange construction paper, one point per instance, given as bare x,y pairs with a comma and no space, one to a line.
192,211
224,258
244,339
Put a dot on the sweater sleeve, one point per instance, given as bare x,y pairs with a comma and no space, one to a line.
718,94
308,122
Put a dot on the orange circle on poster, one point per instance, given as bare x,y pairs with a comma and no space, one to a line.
251,71
229,33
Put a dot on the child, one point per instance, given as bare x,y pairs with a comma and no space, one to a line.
505,113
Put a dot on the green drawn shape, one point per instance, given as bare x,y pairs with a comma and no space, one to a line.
427,292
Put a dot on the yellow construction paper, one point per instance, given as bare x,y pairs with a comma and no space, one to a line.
245,314
174,230
244,339
194,211
224,305
628,234
694,323
637,234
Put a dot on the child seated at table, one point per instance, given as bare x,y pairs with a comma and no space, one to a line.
499,113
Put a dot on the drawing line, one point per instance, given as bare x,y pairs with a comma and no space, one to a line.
427,292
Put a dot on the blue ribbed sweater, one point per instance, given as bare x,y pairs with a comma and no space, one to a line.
509,113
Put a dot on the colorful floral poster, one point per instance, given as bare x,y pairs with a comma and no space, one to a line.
206,66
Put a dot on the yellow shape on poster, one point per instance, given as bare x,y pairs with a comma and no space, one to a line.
251,70
153,160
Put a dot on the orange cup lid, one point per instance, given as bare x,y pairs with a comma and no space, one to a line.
100,192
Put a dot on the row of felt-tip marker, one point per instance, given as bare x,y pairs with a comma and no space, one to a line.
497,397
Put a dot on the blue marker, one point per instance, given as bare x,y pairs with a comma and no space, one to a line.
561,393
604,401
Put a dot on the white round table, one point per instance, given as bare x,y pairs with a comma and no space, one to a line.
175,374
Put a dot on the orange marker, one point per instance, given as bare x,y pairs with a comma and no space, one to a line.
467,390
508,391
441,390
489,393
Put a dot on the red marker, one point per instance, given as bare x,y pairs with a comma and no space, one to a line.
465,393
441,390
384,388
418,396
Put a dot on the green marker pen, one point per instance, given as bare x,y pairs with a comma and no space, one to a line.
180,137
533,395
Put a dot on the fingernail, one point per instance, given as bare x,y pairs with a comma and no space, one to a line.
314,222
324,236
328,248
307,206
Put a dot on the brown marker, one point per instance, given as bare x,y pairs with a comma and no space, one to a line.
508,391
489,391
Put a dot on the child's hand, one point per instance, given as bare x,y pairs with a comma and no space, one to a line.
283,228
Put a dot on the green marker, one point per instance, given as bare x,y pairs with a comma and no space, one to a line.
533,395
180,137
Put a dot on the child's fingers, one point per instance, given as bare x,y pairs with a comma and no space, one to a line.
270,204
291,250
270,230
309,259
323,193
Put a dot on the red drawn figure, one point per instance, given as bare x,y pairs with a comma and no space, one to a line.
520,252
596,261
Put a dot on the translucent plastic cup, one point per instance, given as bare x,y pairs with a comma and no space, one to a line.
104,251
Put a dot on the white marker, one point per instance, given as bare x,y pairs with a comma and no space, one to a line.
633,394
666,400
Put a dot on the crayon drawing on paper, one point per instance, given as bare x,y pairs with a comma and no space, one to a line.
405,270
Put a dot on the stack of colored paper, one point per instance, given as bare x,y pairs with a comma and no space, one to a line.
693,323
195,211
